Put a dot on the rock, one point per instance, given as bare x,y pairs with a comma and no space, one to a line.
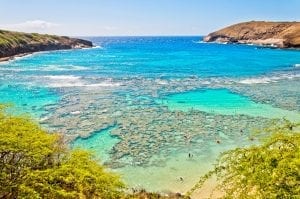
275,34
18,44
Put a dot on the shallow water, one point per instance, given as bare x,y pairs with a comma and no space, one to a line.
142,104
27,100
100,143
222,101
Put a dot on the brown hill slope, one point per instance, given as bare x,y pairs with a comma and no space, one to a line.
279,34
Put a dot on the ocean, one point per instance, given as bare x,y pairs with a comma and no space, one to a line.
155,109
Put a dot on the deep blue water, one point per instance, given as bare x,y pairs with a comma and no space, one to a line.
184,56
165,57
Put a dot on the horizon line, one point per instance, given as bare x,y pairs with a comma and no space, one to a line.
137,36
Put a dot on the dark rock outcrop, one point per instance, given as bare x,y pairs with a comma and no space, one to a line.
277,34
17,43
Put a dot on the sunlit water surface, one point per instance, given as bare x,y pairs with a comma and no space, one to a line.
143,104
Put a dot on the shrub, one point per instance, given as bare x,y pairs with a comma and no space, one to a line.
270,169
35,164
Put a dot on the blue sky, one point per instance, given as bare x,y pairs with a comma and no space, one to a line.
139,17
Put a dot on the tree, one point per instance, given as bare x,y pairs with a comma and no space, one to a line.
270,169
35,164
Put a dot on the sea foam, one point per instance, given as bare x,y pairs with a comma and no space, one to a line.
266,80
64,81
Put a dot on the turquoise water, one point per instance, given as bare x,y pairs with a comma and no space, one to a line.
100,144
165,97
222,101
27,100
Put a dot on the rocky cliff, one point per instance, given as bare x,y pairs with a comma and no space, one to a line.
277,34
16,43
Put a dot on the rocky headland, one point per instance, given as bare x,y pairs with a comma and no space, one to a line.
14,44
274,34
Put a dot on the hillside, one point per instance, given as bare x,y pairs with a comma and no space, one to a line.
17,43
277,34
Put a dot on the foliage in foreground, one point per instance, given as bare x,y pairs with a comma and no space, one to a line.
268,170
142,194
35,164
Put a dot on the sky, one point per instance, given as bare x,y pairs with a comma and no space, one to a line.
139,17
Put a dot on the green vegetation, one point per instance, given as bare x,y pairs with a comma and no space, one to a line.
270,169
10,38
35,164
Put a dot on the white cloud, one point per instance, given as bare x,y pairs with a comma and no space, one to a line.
38,26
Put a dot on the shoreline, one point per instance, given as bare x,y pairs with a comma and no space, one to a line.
283,35
252,43
13,57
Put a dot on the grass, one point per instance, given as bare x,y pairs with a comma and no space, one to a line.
12,39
